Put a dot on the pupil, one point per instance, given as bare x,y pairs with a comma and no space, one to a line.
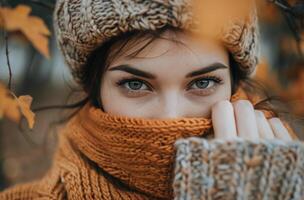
202,84
135,85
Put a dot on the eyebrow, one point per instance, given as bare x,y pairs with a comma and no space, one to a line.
205,70
131,70
137,72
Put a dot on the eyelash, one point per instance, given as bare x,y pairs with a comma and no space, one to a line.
122,82
217,80
130,92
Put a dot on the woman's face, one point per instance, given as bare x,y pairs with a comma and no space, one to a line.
167,79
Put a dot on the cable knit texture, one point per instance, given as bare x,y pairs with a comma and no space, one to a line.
83,25
97,148
239,169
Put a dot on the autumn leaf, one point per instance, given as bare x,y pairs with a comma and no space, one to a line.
25,104
14,108
214,15
8,106
33,28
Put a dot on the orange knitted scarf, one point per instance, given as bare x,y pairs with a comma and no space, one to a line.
101,156
136,153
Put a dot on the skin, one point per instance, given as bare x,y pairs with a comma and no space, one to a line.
177,80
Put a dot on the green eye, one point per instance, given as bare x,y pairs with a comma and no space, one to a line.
205,82
134,85
202,84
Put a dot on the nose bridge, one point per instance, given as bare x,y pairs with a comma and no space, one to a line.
171,105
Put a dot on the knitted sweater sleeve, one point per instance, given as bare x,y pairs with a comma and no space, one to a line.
238,169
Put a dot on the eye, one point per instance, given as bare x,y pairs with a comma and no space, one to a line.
133,84
205,83
136,85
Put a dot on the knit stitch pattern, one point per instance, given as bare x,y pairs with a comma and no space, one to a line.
147,143
83,25
238,169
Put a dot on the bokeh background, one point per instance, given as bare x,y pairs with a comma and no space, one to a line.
26,154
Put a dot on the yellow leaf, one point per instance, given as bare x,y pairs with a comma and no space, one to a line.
25,104
13,108
8,106
33,28
215,15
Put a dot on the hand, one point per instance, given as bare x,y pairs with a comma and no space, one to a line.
240,119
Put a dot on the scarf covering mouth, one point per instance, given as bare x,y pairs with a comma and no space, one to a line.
136,151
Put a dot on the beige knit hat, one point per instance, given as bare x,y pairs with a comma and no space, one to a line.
82,25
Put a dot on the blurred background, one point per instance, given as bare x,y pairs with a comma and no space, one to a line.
26,154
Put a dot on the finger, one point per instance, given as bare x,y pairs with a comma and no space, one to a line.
223,120
279,129
245,120
264,127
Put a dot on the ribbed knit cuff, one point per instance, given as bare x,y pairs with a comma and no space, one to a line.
238,169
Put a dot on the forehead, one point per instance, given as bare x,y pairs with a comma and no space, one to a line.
174,50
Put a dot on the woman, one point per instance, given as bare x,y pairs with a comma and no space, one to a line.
151,80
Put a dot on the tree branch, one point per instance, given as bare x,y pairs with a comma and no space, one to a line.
294,17
280,5
8,61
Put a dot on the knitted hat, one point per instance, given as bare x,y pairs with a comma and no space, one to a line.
82,25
